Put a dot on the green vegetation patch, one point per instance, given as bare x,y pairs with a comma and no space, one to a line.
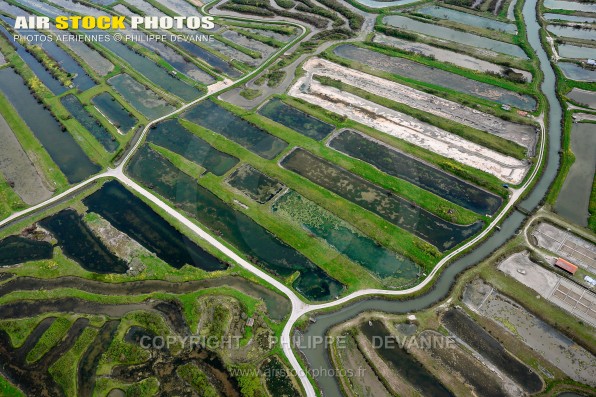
197,379
50,338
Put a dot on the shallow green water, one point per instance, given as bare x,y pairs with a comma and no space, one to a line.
347,240
173,136
256,185
258,244
382,202
415,171
142,99
293,118
61,146
113,110
91,124
214,117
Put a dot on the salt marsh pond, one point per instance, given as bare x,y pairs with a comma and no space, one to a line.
406,215
417,71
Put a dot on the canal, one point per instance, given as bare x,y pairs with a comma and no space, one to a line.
318,359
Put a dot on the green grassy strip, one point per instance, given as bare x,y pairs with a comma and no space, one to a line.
592,208
9,201
32,146
49,63
494,57
88,95
251,53
474,175
186,166
65,369
8,390
89,144
567,159
197,378
83,137
259,37
382,231
485,139
484,105
478,76
478,31
338,266
410,192
49,339
249,93
285,30
132,354
146,387
19,330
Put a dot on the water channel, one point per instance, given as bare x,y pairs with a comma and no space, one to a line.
318,358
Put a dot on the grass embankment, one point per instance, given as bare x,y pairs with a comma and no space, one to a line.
592,208
474,175
30,144
462,27
92,148
259,37
49,339
277,28
8,390
49,63
66,368
387,234
10,202
494,57
466,99
491,141
424,199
